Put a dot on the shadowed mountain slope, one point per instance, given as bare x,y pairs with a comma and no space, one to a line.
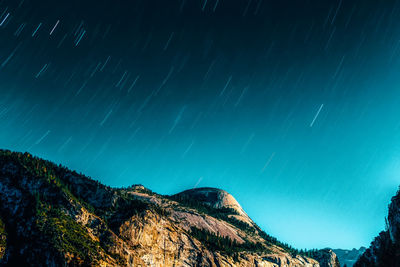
385,248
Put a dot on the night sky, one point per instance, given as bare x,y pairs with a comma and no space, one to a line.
291,106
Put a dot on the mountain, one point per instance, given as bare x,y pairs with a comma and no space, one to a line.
349,257
218,199
385,248
51,216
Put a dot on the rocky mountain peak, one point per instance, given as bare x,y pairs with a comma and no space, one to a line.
214,197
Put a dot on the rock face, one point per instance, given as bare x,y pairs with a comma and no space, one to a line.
218,199
326,257
214,197
349,257
385,248
3,239
55,217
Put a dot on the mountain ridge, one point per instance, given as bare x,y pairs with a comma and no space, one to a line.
54,216
216,198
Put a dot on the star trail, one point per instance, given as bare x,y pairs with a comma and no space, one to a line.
291,106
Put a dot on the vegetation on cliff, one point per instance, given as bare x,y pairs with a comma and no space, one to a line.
382,253
67,236
225,244
226,215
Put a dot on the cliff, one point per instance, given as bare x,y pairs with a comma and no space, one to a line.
327,258
385,248
52,216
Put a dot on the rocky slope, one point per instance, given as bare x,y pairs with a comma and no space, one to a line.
349,257
385,248
50,216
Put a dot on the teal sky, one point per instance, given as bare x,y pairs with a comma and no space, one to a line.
293,109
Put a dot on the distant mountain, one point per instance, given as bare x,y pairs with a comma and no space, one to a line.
385,248
349,257
51,216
